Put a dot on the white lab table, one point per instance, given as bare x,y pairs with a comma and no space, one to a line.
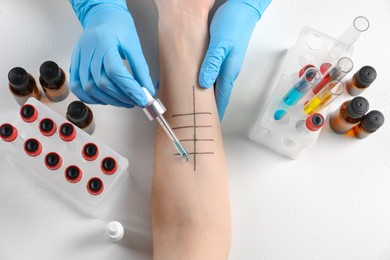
332,203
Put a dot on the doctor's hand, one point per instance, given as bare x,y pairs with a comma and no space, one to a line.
230,32
98,74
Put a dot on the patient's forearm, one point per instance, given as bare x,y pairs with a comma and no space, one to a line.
190,200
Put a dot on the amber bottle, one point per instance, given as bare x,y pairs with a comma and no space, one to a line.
53,81
348,115
369,124
81,115
22,85
361,80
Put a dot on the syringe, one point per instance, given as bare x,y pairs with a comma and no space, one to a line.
155,110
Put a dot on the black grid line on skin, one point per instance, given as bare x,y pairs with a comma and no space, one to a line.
194,114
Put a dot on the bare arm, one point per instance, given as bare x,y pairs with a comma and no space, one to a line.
190,200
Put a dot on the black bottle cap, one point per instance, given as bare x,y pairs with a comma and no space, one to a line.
77,112
50,72
18,78
108,164
46,125
6,130
366,75
90,150
31,145
52,159
67,129
95,184
72,172
373,120
357,107
28,111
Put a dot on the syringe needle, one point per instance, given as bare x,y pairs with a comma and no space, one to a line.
154,110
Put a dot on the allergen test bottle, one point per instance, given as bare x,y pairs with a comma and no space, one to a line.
361,80
348,115
22,85
369,124
81,115
53,81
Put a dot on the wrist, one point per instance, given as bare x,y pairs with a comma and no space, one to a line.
85,9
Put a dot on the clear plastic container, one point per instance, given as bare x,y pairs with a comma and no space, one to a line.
78,167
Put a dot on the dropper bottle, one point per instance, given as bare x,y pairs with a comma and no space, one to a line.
81,115
22,85
369,124
348,115
53,81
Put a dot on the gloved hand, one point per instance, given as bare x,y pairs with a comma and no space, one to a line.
97,73
230,32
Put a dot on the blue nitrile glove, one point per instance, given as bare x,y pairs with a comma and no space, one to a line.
97,72
230,32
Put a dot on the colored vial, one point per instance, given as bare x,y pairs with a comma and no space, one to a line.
90,152
28,113
95,186
337,72
371,122
312,124
67,132
81,115
310,77
22,85
73,174
53,81
32,147
47,127
109,166
348,115
361,80
8,133
53,161
326,96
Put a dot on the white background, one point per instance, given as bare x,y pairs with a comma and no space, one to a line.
332,203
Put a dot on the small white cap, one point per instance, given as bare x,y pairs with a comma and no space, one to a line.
115,231
149,97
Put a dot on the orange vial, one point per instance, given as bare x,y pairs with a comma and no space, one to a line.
361,80
22,85
370,123
53,81
81,115
348,115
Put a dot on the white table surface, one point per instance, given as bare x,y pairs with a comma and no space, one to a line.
332,203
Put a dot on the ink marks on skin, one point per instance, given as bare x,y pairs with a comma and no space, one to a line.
194,127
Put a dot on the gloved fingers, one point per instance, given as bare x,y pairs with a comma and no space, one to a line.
118,74
229,73
87,81
74,80
134,55
211,66
104,83
93,91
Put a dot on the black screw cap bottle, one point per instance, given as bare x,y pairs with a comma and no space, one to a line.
361,80
22,85
53,81
370,123
348,115
81,115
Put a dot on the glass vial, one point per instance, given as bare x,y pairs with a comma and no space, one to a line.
348,115
361,80
312,123
369,124
81,115
22,85
53,81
